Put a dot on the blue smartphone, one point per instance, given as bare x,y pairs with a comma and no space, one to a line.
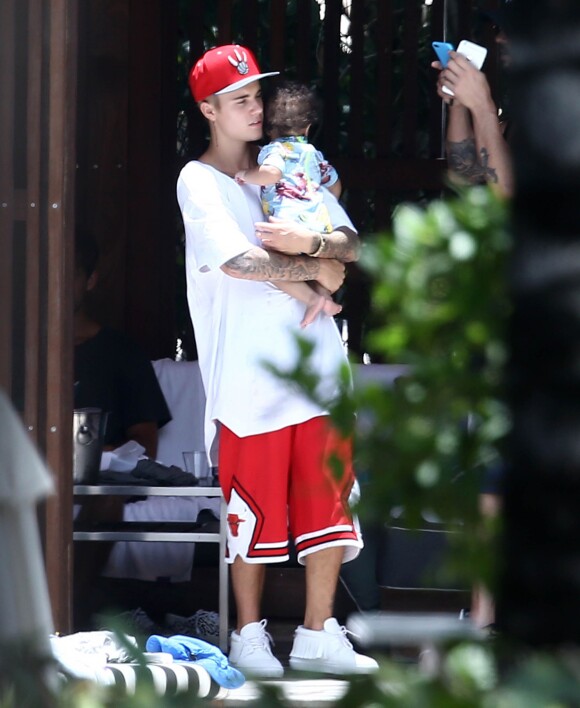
442,50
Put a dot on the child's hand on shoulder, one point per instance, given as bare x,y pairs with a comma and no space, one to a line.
240,176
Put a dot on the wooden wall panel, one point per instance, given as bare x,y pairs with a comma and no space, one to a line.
246,29
194,34
102,148
37,120
305,54
59,214
126,166
277,33
437,110
35,308
409,102
150,253
330,68
225,33
384,118
357,120
384,95
7,189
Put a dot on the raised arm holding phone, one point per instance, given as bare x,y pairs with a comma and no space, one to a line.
477,151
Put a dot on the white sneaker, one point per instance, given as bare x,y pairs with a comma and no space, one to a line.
250,651
328,651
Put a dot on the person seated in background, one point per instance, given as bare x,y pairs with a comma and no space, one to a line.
112,373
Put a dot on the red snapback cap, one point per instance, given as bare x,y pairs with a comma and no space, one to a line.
224,69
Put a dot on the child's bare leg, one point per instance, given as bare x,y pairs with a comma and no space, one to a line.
313,310
320,304
330,307
315,301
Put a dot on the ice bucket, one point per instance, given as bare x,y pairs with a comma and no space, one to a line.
88,436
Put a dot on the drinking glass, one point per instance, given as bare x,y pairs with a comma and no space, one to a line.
196,463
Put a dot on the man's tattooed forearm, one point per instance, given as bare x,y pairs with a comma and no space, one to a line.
463,160
344,246
488,173
276,266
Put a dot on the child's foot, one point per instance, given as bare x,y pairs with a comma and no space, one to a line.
331,308
320,304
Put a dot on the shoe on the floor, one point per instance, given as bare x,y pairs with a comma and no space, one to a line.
251,652
203,624
328,651
135,622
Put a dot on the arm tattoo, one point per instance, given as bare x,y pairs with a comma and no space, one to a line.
341,245
488,172
257,264
463,160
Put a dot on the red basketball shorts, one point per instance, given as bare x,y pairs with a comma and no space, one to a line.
281,482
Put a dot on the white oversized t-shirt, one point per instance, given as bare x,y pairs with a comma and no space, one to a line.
239,324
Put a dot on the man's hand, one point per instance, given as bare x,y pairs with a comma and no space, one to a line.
467,83
285,236
294,239
445,96
331,274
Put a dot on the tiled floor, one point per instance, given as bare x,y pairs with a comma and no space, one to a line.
324,691
295,692
284,600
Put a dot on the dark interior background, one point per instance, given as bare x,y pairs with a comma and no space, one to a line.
137,125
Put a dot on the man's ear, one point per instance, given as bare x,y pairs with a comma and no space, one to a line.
207,110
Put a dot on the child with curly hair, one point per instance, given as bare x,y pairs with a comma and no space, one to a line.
292,173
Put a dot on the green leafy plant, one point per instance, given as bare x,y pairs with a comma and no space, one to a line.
439,293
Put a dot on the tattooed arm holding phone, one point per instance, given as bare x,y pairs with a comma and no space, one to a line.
477,151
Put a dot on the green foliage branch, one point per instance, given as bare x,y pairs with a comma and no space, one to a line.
424,443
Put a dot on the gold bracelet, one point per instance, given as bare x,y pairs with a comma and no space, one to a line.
320,248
